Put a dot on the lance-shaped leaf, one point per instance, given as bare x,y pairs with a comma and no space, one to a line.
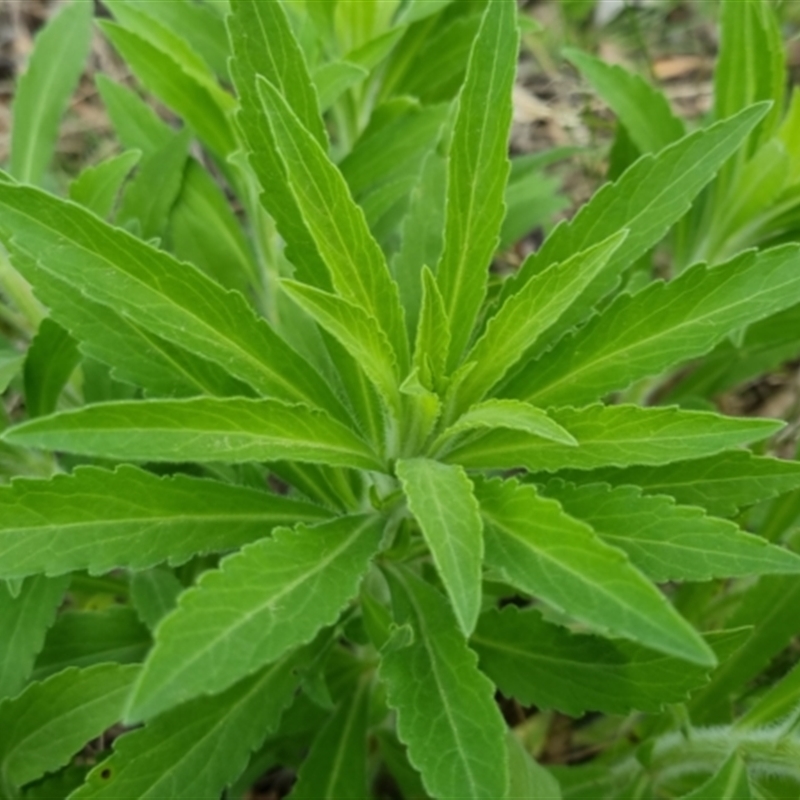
135,355
25,616
477,171
663,325
449,721
51,358
721,484
97,187
271,596
43,93
642,109
336,765
669,542
542,664
440,497
730,783
98,520
43,728
86,638
529,313
777,703
511,415
546,553
204,109
198,429
648,199
527,779
194,751
169,298
263,45
359,333
357,267
433,333
614,436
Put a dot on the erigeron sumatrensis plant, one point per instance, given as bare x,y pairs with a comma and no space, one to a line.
326,454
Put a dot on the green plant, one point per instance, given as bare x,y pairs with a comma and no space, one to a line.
301,479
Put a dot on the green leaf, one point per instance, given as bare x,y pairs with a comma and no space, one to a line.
135,355
511,415
136,123
336,765
357,267
24,619
263,45
421,238
721,484
526,315
204,231
545,665
778,702
52,357
613,436
441,498
730,783
43,728
154,593
433,334
198,429
358,331
333,79
271,596
192,99
394,146
477,172
545,552
528,780
751,65
151,194
86,638
44,91
769,607
648,200
642,109
11,362
449,720
666,323
669,542
194,751
96,188
99,520
163,295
